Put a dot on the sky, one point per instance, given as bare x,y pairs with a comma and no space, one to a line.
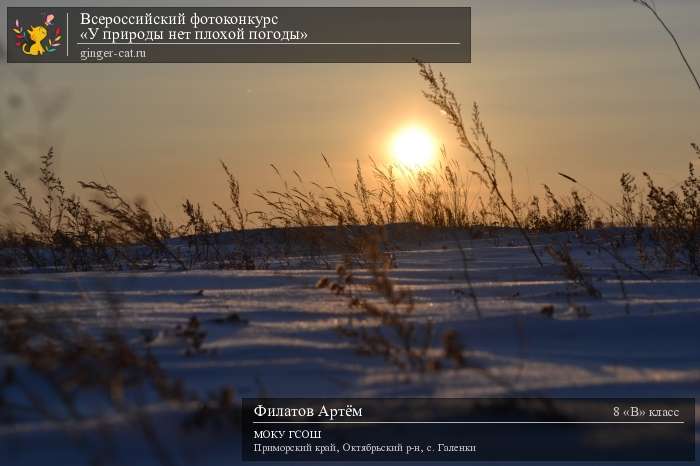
591,88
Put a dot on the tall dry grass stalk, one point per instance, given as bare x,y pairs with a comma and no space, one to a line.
479,145
652,8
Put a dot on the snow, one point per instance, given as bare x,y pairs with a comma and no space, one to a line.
640,342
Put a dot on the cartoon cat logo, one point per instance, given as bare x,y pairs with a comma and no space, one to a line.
36,35
35,40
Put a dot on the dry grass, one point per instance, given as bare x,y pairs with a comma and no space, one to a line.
111,232
572,270
382,321
59,372
674,218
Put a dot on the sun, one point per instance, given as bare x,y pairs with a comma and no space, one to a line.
413,147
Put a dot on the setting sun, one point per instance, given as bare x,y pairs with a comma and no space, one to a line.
413,147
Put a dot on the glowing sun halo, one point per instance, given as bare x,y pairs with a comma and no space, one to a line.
413,147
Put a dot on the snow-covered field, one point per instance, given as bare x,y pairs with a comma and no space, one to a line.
639,339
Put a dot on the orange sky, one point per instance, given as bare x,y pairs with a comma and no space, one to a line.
588,88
